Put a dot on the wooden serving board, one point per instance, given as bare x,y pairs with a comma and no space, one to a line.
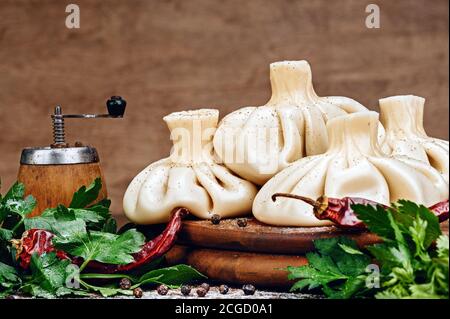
237,267
258,237
233,262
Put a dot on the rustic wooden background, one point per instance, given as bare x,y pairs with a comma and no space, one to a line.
164,56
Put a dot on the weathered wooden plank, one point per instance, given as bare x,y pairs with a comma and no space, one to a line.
165,56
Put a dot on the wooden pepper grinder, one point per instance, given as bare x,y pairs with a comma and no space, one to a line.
52,174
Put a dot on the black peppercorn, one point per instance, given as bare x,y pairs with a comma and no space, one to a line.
185,290
242,222
205,286
201,292
215,219
249,289
125,283
162,290
223,289
137,292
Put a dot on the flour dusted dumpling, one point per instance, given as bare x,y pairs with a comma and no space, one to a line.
402,117
354,166
189,177
257,142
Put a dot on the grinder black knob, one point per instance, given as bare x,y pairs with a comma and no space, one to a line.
116,106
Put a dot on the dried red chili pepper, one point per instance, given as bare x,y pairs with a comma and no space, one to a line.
40,241
152,249
440,210
341,213
35,241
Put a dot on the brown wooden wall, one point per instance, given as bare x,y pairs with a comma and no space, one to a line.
164,56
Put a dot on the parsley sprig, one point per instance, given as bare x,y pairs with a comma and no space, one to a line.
411,265
85,229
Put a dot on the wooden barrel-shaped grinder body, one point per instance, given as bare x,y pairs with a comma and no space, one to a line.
54,184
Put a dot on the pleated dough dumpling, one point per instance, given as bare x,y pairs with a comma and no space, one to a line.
258,142
355,166
189,177
402,117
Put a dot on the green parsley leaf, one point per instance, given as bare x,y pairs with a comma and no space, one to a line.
35,290
338,267
48,274
61,222
5,234
64,291
13,210
21,207
376,220
103,247
95,216
433,230
86,195
109,291
442,246
173,277
56,218
383,254
17,191
311,277
351,250
8,276
349,264
418,232
351,287
14,204
110,226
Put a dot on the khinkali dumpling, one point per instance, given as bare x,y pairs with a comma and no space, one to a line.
189,177
402,117
354,166
258,142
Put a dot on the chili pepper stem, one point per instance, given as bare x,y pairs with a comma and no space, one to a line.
307,200
319,205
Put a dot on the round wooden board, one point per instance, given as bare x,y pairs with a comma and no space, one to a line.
238,268
258,237
241,267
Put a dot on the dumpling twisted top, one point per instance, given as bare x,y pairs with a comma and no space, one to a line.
402,117
190,177
258,142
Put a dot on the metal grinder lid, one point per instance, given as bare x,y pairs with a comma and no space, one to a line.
59,156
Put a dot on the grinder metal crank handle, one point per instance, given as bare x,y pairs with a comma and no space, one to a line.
115,105
116,109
